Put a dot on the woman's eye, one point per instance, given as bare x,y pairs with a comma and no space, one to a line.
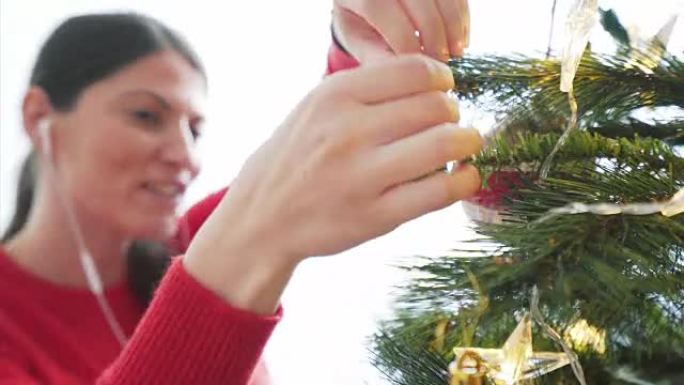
196,131
146,116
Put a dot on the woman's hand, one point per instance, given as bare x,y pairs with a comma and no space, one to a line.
353,161
375,29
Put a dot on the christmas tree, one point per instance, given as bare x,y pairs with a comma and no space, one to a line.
577,274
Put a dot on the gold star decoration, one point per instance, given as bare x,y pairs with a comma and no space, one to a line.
514,362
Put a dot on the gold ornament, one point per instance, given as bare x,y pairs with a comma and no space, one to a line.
647,54
583,337
514,362
469,369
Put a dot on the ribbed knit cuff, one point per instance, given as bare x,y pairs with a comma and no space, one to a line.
339,60
189,335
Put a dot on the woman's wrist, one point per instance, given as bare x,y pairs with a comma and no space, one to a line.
244,278
248,270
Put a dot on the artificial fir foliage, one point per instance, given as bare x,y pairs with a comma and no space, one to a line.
610,284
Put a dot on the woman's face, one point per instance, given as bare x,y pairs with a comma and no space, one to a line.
125,151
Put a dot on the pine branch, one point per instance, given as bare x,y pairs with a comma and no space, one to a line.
537,119
671,132
606,86
530,149
419,365
611,23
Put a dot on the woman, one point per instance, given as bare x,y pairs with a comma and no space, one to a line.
113,110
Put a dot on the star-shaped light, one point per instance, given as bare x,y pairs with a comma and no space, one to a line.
514,362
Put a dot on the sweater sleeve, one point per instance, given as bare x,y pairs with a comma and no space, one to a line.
12,372
190,336
338,58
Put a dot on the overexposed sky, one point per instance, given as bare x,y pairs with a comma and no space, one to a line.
262,57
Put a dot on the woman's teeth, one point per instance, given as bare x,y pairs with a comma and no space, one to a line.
167,190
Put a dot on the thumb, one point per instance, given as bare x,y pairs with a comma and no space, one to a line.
359,38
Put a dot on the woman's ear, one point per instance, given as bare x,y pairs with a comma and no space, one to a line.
36,112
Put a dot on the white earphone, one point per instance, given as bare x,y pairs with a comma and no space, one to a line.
44,135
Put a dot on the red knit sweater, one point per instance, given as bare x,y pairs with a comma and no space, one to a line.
54,335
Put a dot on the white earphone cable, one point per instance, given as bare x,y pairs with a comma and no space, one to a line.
87,261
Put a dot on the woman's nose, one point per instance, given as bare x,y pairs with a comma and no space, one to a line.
179,150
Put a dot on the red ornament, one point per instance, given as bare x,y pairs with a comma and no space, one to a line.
499,185
489,203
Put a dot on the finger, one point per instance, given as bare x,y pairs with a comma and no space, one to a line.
466,16
403,117
411,200
420,154
392,79
358,37
427,19
456,18
390,20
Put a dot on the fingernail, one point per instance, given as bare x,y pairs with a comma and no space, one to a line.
443,71
475,143
445,54
458,49
482,139
454,108
453,48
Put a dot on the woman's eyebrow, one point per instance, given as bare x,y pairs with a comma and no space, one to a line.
160,99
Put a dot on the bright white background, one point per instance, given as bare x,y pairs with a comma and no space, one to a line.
261,58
